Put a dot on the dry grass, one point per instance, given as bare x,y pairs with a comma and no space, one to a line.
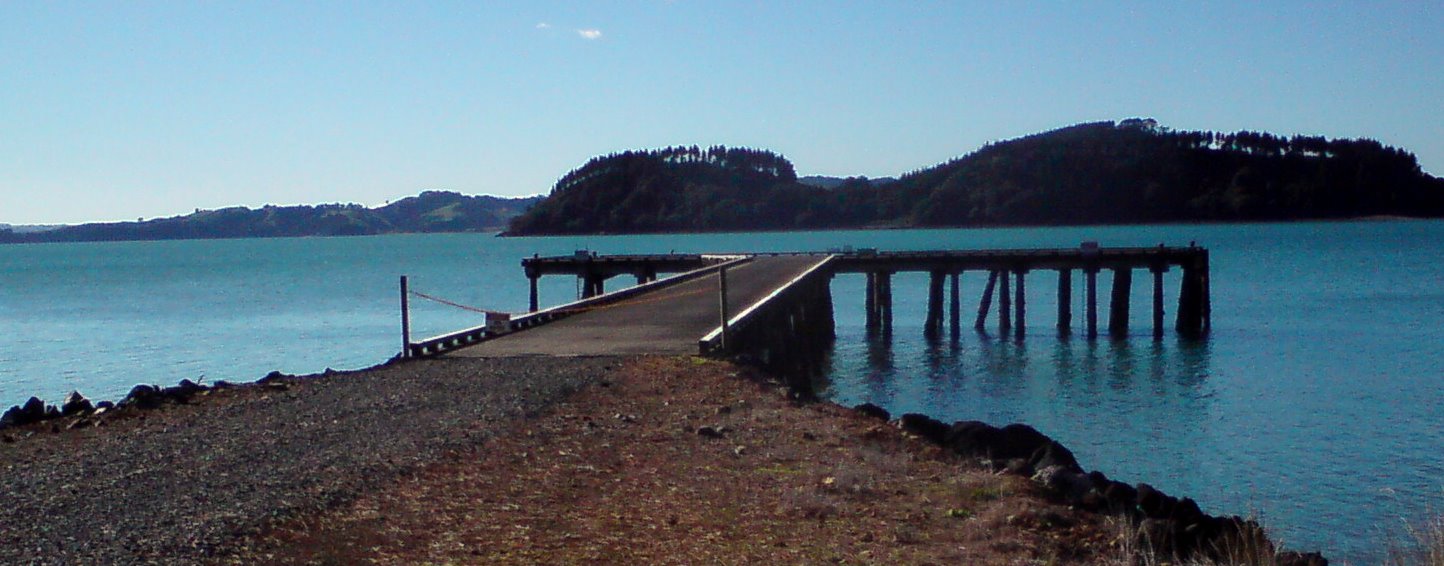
1424,545
1133,548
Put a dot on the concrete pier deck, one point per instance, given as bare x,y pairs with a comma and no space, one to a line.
666,321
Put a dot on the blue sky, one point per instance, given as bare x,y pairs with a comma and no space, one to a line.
120,110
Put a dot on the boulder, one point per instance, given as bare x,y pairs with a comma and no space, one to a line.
11,417
1153,503
104,405
1055,454
1015,466
972,438
1120,497
924,426
75,404
1187,512
1072,486
33,410
143,396
183,391
874,411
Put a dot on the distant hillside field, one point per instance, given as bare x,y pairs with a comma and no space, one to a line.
1133,171
431,211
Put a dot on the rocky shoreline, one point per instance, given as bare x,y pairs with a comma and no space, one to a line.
1168,526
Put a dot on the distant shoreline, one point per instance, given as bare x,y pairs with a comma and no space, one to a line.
890,227
495,232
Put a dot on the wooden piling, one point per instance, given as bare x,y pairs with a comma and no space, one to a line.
986,303
884,300
1020,302
1118,305
1207,297
1190,303
934,323
1091,289
954,307
870,297
1005,303
1158,301
533,304
1065,301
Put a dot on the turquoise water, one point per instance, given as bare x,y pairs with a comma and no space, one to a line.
1313,403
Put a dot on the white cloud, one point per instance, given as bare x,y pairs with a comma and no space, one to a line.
543,25
590,33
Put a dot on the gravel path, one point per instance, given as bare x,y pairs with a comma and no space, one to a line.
175,484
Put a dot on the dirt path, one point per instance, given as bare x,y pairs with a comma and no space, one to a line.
679,460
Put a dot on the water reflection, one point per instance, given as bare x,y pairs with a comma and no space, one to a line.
1143,403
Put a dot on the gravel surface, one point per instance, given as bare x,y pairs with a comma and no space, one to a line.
173,485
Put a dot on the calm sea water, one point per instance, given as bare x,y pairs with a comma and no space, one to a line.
1313,403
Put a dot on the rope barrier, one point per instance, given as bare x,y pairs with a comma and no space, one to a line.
452,304
645,299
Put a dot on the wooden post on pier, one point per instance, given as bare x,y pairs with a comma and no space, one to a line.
533,303
1005,303
934,323
1118,306
986,303
1065,301
954,307
405,318
1158,271
1020,302
1091,289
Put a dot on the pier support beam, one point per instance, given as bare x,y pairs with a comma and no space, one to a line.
1005,304
533,304
933,326
1158,272
1065,301
954,307
1191,303
986,303
593,285
1021,303
1091,289
870,300
884,301
1118,305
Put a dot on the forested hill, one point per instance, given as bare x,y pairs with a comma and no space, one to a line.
431,211
677,189
1132,171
